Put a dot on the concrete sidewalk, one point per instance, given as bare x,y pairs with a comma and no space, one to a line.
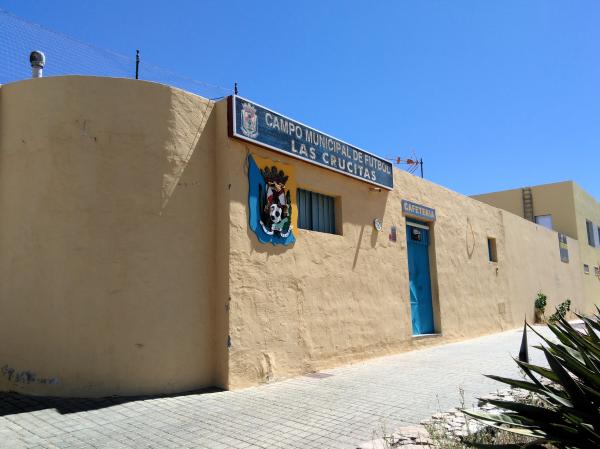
337,409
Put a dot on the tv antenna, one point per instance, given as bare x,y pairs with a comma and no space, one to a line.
413,163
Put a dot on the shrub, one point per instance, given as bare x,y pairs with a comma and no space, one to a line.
568,412
561,311
540,301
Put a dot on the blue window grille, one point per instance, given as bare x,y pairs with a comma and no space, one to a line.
316,212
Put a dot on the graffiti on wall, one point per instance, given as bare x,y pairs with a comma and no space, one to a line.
26,377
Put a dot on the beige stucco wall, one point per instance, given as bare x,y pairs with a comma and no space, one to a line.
536,267
508,200
127,265
588,208
334,299
106,238
569,206
554,199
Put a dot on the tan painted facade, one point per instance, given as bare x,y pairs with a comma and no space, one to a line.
570,207
106,249
127,265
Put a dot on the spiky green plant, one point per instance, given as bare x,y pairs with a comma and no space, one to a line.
568,392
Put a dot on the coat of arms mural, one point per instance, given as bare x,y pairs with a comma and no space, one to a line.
249,125
271,200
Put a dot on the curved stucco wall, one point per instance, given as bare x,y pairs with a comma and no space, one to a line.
106,238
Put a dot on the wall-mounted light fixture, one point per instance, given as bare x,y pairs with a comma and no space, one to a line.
378,224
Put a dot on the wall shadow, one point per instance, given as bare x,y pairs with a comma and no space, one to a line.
360,237
12,403
268,248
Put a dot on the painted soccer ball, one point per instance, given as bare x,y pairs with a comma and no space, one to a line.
275,213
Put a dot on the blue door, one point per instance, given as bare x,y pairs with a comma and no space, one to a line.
419,280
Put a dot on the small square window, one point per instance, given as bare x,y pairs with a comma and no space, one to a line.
597,271
492,251
316,212
586,268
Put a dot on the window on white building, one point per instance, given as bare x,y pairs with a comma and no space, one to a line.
544,220
591,235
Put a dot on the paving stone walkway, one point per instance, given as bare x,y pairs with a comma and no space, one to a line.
340,409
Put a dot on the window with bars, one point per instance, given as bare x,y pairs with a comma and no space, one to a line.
316,212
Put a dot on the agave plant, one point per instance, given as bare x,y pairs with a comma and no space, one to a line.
566,413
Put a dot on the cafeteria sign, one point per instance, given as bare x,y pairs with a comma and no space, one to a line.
253,123
418,210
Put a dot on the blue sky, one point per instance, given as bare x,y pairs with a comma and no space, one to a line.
491,94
